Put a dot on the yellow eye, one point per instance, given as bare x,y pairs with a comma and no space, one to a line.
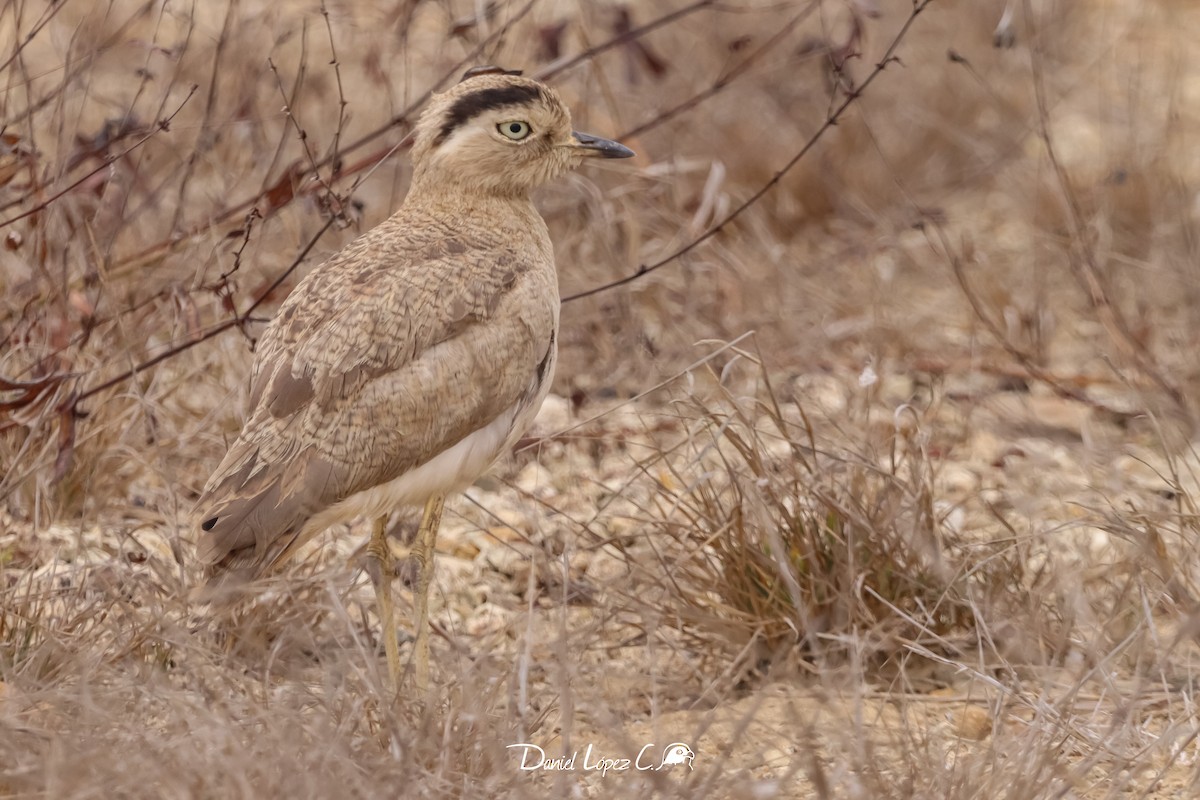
515,130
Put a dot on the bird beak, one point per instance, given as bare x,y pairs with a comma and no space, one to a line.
589,145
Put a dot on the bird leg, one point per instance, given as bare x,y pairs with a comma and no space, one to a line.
379,567
422,553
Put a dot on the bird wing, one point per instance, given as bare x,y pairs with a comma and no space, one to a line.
377,361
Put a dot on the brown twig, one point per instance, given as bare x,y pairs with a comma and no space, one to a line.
241,207
722,83
162,125
210,105
119,37
162,248
334,153
1081,256
216,330
830,120
1028,363
240,319
553,70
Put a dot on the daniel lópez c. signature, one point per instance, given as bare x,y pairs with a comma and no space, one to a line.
648,758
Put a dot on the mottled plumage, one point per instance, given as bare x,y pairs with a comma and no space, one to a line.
420,332
414,336
399,369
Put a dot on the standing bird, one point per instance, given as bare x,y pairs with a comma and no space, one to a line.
398,370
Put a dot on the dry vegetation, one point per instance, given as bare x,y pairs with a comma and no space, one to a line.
887,488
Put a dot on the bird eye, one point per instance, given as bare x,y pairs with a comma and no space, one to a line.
515,130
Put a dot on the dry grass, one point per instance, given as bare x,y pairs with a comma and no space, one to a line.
923,526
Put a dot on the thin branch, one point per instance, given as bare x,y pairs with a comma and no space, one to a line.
1081,257
240,208
48,14
1027,362
162,125
722,83
831,120
564,64
216,330
210,106
334,155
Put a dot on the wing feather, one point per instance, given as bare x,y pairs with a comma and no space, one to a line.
377,361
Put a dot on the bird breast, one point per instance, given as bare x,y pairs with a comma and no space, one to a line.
452,469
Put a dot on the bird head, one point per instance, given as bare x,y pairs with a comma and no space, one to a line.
496,132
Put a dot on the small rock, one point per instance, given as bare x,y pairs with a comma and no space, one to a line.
824,391
1058,412
506,534
487,619
535,479
953,516
985,446
554,415
957,479
506,522
897,387
973,723
776,758
604,567
508,561
463,548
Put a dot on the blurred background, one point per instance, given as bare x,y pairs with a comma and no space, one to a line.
885,461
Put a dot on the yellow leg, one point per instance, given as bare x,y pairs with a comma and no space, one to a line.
379,567
423,554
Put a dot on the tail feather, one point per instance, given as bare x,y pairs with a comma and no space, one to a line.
242,538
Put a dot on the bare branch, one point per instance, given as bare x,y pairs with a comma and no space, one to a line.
216,330
162,125
1082,257
830,121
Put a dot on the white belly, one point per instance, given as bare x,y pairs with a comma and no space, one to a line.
450,470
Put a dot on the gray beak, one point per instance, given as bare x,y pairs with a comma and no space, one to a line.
604,148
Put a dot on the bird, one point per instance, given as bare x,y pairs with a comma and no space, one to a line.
397,371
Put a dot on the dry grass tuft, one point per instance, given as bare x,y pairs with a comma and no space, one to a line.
935,537
779,542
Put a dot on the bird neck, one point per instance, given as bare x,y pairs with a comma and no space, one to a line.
434,181
440,198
